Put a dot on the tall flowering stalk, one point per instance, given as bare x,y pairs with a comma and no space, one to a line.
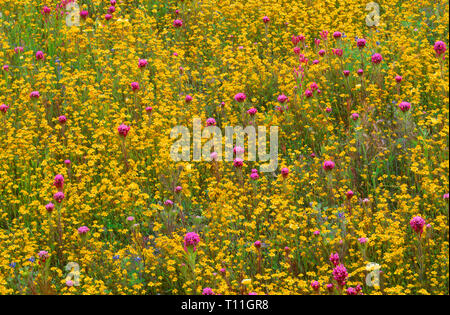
58,182
240,99
328,166
123,132
340,275
4,109
440,48
191,241
238,163
417,224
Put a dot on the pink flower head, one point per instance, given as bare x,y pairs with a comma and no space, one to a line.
191,240
58,182
282,98
321,53
5,68
308,93
328,110
257,244
334,258
285,172
361,43
417,223
340,274
149,109
39,55
316,232
111,9
239,151
439,48
338,52
254,175
113,2
360,72
46,10
252,111
328,165
297,50
84,14
315,61
349,194
123,130
358,289
18,49
324,35
346,73
238,162
207,291
67,162
351,291
62,119
266,19
43,255
355,116
210,122
315,285
330,287
337,35
168,202
398,78
362,240
49,207
83,230
69,283
240,97
130,218
142,63
178,189
295,39
59,196
188,98
4,108
108,17
178,23
35,94
317,42
376,58
446,196
214,156
314,87
134,86
404,106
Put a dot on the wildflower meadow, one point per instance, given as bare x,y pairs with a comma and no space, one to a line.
233,147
